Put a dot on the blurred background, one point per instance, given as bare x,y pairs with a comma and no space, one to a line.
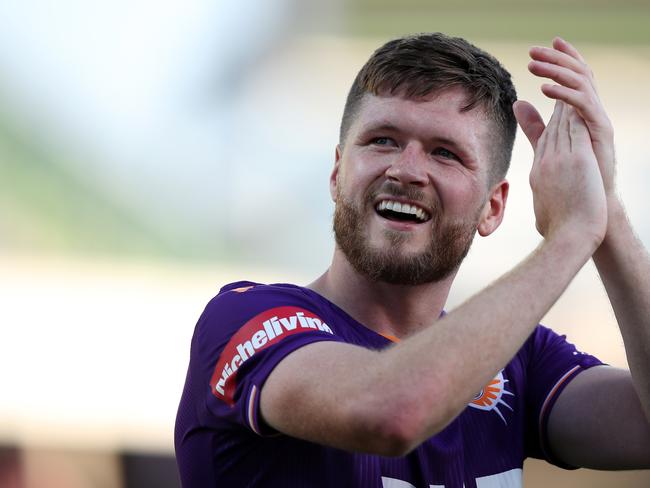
152,151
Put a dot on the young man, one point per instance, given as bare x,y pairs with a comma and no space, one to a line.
361,379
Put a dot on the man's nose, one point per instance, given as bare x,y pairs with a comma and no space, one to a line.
410,166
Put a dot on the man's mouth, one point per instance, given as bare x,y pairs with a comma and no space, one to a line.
401,212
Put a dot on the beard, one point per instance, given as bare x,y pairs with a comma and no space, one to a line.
448,245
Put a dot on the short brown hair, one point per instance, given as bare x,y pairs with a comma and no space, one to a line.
420,65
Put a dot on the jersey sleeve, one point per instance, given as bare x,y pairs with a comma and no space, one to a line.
553,363
240,338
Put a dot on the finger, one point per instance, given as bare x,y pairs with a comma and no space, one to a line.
554,124
564,138
548,139
529,120
598,124
553,56
576,98
578,132
559,74
559,58
566,47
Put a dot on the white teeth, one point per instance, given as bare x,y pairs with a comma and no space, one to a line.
419,213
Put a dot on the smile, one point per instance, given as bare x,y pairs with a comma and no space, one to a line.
402,212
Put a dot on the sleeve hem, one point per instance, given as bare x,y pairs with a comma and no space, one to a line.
545,413
253,406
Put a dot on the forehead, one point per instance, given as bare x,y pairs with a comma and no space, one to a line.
438,116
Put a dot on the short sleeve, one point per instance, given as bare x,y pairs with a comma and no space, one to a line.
552,363
242,335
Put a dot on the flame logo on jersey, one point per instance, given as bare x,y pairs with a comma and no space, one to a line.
490,397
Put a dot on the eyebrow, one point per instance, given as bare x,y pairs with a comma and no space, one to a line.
387,126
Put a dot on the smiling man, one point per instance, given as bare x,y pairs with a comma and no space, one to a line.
360,379
410,216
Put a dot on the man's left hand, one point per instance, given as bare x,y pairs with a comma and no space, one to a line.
563,64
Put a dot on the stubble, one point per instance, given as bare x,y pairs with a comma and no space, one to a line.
448,244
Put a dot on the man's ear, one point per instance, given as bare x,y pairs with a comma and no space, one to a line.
334,177
494,208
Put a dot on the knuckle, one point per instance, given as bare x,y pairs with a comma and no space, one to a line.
586,98
607,130
584,84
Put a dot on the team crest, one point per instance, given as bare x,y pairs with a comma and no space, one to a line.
491,396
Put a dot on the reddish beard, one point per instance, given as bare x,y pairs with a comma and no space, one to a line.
447,247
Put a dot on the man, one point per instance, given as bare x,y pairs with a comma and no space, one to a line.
361,379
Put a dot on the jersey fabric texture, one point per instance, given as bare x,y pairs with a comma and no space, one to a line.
248,328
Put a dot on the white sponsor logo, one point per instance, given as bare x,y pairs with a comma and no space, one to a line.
507,479
270,332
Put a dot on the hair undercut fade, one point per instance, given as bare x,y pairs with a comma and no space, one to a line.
424,64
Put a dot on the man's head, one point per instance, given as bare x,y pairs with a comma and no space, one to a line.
415,174
424,64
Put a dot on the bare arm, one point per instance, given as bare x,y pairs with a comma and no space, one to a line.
624,267
388,402
614,432
584,429
598,422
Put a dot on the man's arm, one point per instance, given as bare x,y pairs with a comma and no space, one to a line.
624,267
601,419
597,422
389,402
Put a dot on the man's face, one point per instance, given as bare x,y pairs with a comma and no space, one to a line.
411,187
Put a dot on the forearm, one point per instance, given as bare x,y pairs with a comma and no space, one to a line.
435,373
388,402
624,267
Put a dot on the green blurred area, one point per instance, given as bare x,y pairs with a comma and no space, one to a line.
46,204
598,21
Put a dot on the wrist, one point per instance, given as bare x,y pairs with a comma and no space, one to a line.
619,230
578,237
615,209
572,243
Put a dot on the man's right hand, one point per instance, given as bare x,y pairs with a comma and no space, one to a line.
568,193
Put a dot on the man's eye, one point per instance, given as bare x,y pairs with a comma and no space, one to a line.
383,141
445,153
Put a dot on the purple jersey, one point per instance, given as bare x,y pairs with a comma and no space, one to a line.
247,329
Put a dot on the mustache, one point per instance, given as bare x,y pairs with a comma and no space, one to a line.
398,190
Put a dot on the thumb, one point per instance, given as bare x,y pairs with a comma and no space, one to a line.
529,120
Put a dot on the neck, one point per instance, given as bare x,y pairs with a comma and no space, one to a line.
397,310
